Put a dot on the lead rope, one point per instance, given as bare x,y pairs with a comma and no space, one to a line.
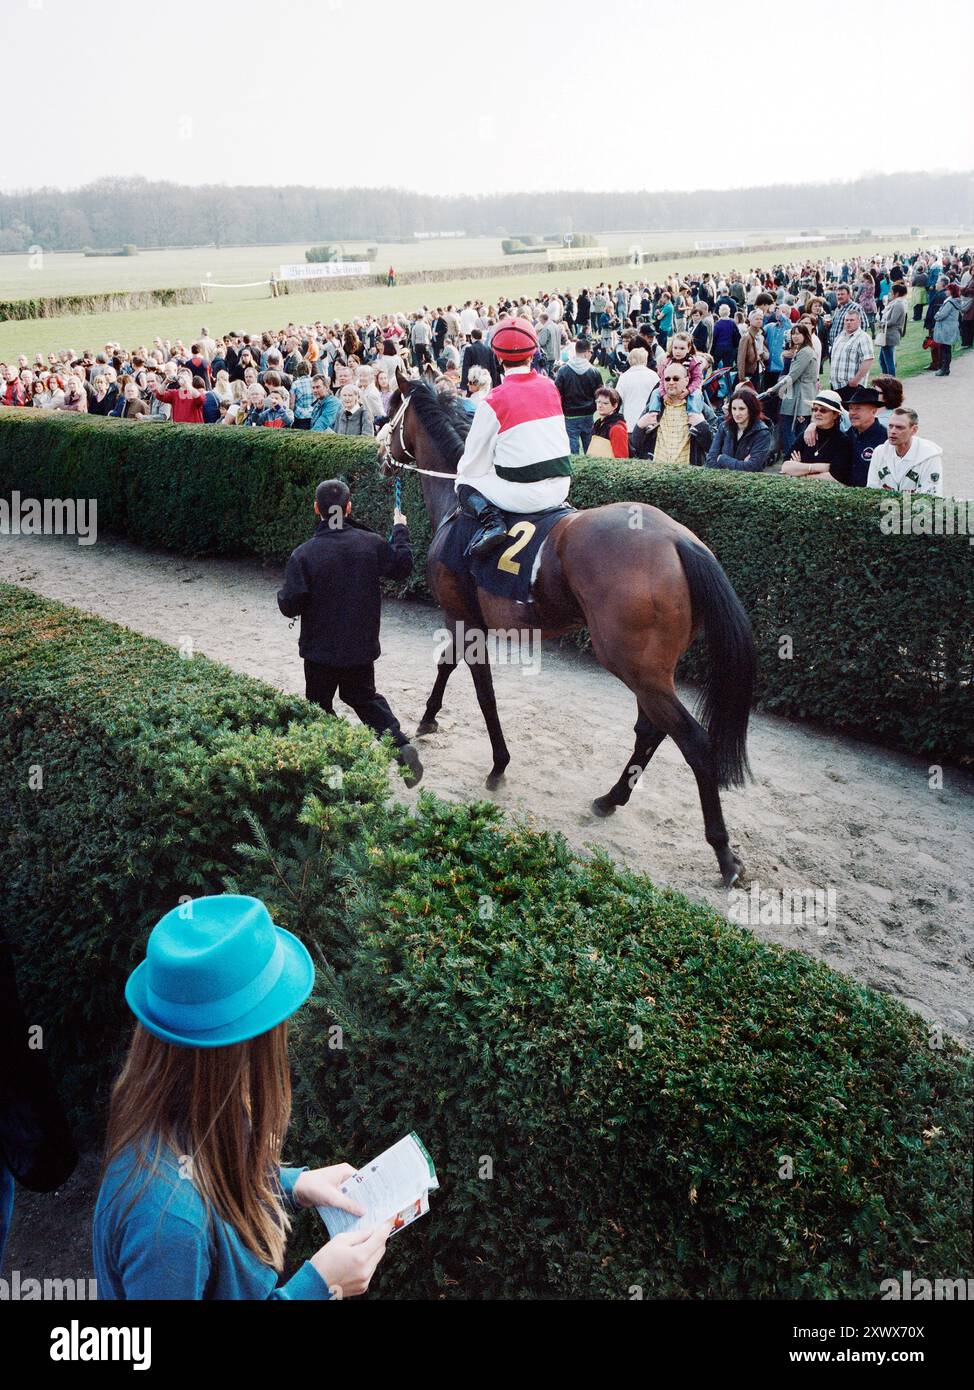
398,494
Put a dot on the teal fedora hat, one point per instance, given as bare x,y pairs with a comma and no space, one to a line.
217,971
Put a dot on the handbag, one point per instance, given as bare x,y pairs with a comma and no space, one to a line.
879,337
599,447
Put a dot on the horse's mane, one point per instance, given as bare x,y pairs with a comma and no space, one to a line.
445,421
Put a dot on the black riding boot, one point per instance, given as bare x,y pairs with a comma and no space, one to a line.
491,532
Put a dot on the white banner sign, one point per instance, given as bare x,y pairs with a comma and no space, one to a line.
324,270
580,253
718,246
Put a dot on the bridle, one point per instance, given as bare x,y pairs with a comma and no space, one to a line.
385,434
396,423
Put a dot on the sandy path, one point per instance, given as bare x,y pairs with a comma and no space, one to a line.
824,813
940,403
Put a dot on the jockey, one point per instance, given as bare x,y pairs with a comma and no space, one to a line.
517,455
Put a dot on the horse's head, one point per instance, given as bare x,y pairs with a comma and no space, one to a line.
396,439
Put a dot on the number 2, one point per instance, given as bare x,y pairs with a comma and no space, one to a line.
524,530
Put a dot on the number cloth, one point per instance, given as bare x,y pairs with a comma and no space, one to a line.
506,572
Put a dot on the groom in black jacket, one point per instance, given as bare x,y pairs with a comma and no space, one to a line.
332,584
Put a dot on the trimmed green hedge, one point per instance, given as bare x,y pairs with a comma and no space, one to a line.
880,628
609,1077
106,302
149,762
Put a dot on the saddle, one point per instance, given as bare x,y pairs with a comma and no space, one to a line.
508,571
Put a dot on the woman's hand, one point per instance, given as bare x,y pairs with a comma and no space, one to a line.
810,436
348,1261
321,1187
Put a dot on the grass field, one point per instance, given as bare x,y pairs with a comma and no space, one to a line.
73,273
252,310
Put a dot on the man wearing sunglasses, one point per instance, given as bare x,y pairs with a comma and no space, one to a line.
681,435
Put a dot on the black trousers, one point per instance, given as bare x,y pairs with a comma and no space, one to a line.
356,686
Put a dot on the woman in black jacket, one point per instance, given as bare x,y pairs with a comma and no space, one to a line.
583,313
102,396
743,441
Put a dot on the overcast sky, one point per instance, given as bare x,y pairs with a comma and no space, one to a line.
484,97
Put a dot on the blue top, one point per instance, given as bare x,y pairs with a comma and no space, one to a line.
776,340
166,1247
324,413
303,398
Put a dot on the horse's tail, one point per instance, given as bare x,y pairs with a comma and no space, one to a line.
729,685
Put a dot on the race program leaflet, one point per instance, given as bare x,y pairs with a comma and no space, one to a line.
394,1186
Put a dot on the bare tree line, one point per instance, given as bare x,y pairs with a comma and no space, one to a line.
116,211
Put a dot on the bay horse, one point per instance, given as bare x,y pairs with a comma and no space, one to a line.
643,585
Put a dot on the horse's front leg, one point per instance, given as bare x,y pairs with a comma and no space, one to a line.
483,683
445,669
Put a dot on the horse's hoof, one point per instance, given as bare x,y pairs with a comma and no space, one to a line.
427,726
494,779
733,876
603,807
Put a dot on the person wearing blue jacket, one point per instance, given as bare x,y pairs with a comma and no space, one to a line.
324,406
194,1203
743,441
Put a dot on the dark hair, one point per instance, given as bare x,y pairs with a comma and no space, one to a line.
891,390
805,332
331,494
899,288
750,399
611,394
583,345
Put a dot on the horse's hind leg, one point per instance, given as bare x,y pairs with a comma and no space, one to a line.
648,739
661,713
694,743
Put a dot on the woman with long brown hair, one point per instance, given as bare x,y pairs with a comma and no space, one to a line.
194,1202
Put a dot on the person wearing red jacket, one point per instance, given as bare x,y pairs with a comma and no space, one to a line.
186,401
610,425
14,392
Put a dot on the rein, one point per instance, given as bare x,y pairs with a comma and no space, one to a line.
427,472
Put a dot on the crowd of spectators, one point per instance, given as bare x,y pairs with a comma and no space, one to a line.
722,370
